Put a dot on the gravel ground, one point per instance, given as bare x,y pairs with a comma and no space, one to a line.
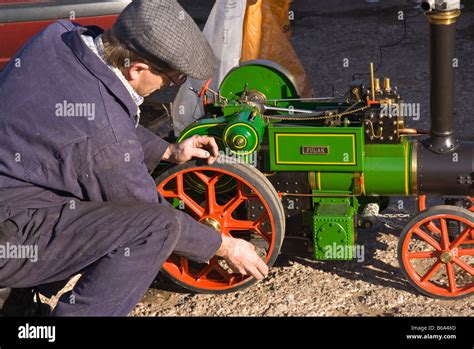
304,287
324,33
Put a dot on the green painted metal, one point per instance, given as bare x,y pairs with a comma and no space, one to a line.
244,132
333,183
343,171
268,81
388,169
327,148
333,230
352,201
210,127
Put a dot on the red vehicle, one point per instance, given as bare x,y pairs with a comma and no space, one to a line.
22,19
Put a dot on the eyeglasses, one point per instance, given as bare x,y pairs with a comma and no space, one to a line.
178,81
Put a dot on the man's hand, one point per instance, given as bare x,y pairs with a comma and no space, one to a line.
240,255
195,147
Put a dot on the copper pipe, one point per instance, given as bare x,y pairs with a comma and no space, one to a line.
408,131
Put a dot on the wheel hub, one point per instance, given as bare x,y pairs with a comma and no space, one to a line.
446,257
212,223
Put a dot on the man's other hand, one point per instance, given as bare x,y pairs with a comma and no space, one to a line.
242,258
201,147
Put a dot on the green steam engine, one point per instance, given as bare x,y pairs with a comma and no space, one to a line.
315,170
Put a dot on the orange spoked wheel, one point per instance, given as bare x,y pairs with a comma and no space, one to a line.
236,200
436,252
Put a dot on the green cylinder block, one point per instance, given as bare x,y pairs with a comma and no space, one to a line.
387,169
332,182
244,133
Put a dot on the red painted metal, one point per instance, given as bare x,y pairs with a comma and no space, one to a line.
422,203
14,35
213,276
437,224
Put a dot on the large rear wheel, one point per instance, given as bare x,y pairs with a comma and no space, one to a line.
236,200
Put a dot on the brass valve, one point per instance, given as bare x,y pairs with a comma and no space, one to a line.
386,85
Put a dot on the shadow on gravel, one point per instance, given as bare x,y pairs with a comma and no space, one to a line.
162,283
371,270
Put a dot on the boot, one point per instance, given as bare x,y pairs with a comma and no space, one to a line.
21,302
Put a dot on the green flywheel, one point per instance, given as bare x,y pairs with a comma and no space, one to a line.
261,78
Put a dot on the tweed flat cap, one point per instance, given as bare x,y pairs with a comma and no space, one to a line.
162,29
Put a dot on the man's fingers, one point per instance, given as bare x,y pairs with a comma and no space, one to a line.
209,143
256,273
215,148
199,153
263,268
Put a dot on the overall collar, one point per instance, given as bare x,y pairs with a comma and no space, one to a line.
97,68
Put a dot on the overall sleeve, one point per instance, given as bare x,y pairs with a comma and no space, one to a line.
118,172
153,147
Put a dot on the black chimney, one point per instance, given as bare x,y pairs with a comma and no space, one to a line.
442,54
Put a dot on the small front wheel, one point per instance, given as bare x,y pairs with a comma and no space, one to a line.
436,252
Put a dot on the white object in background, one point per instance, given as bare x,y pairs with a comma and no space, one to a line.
224,32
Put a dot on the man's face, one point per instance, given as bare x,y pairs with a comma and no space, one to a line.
146,81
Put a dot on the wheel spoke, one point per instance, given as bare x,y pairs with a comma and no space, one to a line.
237,224
222,272
235,202
464,265
465,252
202,177
207,269
168,193
460,238
174,193
184,266
444,233
433,228
266,236
434,268
427,238
451,278
181,194
193,205
422,254
259,229
211,195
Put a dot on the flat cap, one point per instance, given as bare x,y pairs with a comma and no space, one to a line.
163,30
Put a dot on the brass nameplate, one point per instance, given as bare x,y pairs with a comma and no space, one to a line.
309,150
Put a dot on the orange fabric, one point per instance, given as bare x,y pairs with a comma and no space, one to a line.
267,36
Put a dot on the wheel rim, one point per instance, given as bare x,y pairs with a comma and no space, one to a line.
445,268
422,206
422,203
220,215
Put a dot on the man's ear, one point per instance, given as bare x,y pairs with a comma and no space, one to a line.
134,71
